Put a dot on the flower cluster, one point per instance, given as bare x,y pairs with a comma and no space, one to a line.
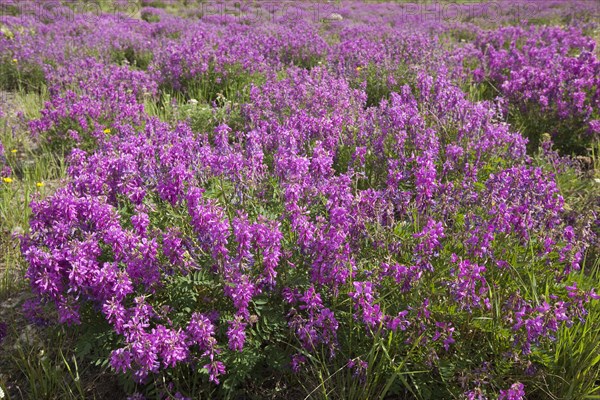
545,73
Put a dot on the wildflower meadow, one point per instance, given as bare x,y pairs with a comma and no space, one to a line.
299,200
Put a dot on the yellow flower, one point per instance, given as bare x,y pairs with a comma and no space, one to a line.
15,60
13,151
358,69
9,35
7,180
107,131
39,184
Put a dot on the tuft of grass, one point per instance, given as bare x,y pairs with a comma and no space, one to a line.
34,172
130,56
48,374
575,363
378,81
196,107
18,76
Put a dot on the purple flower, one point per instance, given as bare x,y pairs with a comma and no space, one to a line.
469,286
515,392
120,360
359,369
215,369
298,360
200,331
236,334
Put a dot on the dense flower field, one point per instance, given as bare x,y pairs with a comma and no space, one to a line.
309,200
